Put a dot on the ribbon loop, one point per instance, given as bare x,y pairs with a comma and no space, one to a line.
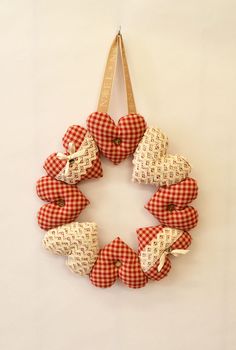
72,155
110,70
174,252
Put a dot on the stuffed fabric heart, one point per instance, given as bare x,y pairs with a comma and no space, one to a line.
78,241
116,142
115,260
153,166
81,160
170,205
155,243
66,202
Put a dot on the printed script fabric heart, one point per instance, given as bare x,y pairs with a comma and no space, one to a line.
153,166
116,142
78,241
170,205
115,260
82,156
66,202
155,243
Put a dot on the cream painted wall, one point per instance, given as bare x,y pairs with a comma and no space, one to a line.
182,58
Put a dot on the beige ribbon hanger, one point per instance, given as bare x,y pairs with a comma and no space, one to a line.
105,94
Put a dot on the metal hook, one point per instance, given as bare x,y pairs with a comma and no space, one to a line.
119,31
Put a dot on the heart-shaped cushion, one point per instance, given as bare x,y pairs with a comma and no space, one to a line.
155,243
153,166
170,205
78,241
85,166
115,260
116,142
66,202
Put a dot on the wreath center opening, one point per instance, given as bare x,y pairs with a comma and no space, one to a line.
116,203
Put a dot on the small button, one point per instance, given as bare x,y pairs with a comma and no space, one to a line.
118,264
61,202
117,141
170,207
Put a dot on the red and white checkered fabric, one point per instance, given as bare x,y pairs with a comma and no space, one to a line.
170,205
146,235
116,142
66,202
115,260
76,134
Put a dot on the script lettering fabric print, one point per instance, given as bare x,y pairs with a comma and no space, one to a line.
152,164
155,244
77,241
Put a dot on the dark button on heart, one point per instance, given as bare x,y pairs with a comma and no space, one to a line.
170,207
117,141
61,202
118,263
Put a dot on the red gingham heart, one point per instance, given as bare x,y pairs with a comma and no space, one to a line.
115,260
116,142
53,165
170,205
146,235
66,202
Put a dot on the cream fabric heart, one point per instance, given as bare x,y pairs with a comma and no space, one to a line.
153,166
160,244
78,241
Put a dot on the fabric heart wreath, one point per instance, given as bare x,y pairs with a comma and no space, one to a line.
152,164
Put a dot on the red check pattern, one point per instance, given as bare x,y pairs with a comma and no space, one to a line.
146,235
53,165
170,205
153,273
75,134
105,271
65,202
116,142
